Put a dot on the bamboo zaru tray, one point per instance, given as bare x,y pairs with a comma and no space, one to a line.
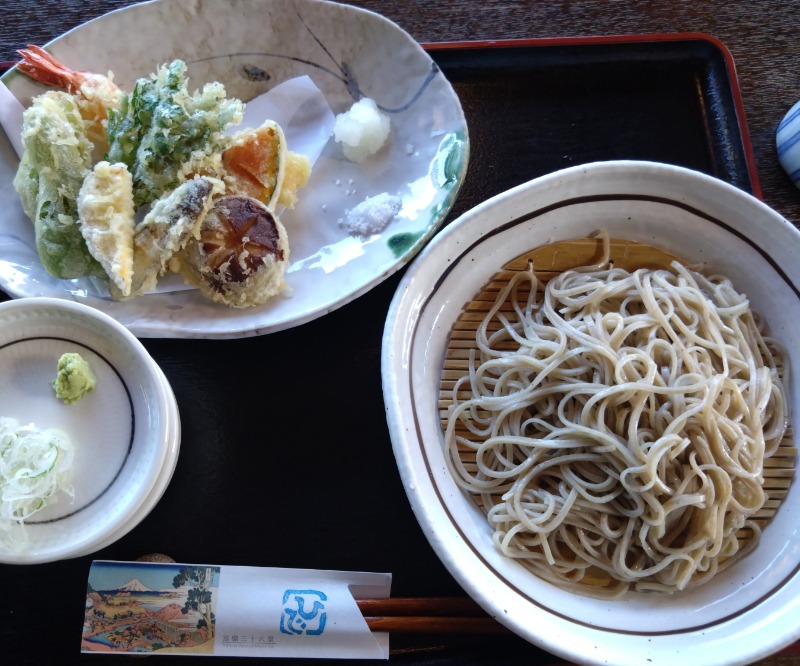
548,261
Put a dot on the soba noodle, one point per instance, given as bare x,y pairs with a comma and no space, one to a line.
617,425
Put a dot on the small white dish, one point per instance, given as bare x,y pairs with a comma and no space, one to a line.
744,613
251,46
164,476
122,432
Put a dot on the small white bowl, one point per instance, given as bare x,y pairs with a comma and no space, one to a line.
123,433
747,611
162,481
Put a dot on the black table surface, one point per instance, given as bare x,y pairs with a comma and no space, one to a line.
286,459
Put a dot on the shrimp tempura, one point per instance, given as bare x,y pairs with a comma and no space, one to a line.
95,94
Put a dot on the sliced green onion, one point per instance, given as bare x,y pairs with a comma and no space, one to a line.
34,465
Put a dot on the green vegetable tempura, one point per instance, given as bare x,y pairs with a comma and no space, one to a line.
57,157
74,379
162,133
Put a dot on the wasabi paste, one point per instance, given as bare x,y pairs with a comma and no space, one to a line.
74,379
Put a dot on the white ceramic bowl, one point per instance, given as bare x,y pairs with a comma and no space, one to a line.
251,46
125,433
164,475
745,612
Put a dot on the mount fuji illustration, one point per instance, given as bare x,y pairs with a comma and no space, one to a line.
134,585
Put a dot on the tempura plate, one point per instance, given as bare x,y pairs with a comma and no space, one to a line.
251,46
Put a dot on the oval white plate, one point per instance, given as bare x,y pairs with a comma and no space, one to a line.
122,432
251,46
744,613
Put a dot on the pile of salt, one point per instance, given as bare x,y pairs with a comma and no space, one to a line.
372,215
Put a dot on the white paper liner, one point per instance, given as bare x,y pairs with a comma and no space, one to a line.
11,117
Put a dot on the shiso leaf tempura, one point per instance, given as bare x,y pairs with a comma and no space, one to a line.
163,133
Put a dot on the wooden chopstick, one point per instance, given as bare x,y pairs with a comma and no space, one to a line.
447,615
435,625
429,606
428,615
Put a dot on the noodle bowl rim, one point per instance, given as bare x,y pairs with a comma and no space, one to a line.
399,354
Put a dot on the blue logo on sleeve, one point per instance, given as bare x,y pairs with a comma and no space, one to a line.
303,612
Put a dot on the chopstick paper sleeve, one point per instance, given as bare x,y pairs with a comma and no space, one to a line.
168,608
